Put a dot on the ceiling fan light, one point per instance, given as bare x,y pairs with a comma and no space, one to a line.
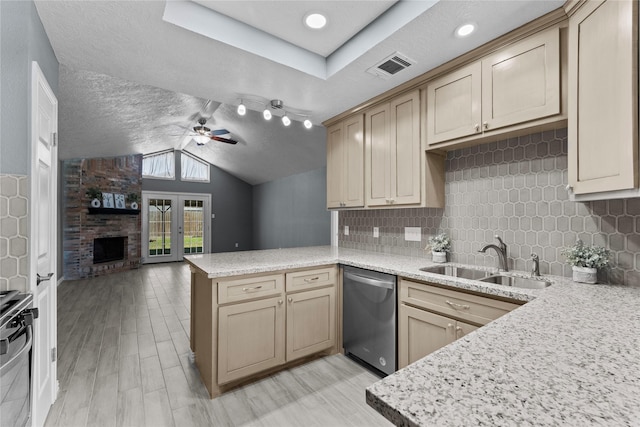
201,139
266,114
307,123
242,110
286,120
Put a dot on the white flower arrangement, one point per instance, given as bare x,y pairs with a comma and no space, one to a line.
439,243
580,255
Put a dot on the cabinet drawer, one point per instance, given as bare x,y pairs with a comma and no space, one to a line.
250,288
473,308
310,279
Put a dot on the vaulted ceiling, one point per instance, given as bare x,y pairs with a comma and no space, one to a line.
136,74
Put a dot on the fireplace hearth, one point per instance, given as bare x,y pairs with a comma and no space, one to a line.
107,249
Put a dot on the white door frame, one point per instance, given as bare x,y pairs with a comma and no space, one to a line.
179,197
44,294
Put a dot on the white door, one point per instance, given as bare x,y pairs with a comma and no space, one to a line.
42,240
174,225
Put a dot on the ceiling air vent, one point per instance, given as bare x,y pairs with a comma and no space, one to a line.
391,65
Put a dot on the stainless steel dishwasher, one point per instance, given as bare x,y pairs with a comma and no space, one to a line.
369,318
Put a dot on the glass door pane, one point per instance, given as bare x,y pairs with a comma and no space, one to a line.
193,226
159,221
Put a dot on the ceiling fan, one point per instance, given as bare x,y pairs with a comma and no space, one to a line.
203,134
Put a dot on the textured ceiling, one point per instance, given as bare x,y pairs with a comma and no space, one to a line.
129,41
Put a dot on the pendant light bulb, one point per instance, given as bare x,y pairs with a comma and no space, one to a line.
307,123
266,114
286,120
242,110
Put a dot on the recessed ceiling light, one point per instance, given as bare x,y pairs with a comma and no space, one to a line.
315,21
465,30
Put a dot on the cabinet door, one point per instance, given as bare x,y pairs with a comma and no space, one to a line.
250,338
311,322
522,82
335,166
353,169
421,333
377,156
453,105
405,149
603,97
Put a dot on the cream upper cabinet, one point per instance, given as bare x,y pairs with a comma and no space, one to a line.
522,82
393,153
603,98
345,163
517,84
453,104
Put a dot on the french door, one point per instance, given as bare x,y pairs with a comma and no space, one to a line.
174,225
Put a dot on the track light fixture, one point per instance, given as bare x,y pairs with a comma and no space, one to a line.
242,110
271,108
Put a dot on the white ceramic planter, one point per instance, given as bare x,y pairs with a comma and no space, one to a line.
438,256
95,203
585,274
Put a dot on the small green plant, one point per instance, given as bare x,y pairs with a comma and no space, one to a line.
440,243
580,255
133,197
94,193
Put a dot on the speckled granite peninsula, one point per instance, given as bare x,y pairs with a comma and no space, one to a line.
567,357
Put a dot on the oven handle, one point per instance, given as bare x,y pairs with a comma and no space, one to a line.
27,347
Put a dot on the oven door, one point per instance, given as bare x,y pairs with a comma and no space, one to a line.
15,375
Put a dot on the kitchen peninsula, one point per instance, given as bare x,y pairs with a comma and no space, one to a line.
567,356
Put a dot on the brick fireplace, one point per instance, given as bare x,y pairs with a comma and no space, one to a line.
118,175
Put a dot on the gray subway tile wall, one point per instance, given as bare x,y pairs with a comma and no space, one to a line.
515,188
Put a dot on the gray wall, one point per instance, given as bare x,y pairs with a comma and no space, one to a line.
231,200
292,211
22,40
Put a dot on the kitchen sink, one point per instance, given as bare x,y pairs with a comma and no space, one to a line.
461,272
517,282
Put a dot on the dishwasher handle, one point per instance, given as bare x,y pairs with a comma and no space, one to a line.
369,281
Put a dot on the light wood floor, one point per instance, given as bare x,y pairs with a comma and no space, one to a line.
123,360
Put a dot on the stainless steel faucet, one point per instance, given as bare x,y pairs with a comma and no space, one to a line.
501,249
535,271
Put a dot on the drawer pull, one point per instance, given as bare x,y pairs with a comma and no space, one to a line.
454,305
255,288
313,279
290,299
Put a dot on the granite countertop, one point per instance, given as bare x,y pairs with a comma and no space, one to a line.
567,357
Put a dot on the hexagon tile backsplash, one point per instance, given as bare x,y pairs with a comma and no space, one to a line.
515,188
14,258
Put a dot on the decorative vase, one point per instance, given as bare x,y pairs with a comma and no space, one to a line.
438,256
585,274
134,205
95,203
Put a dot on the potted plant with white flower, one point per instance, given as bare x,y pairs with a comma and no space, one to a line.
586,260
439,244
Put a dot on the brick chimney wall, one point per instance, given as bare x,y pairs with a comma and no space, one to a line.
118,175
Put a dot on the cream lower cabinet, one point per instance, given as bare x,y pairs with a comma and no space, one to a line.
251,338
430,317
423,332
603,99
262,322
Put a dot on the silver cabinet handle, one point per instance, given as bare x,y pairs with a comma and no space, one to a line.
477,127
486,125
313,279
279,302
454,305
41,279
450,325
290,299
255,288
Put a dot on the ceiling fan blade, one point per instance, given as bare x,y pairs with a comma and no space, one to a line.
218,132
226,140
